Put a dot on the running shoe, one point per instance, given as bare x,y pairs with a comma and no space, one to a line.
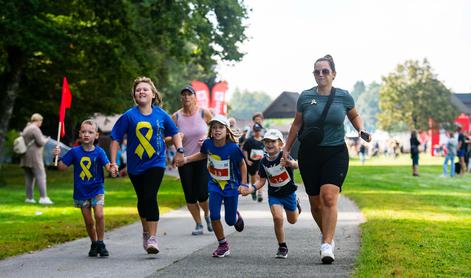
260,197
222,250
282,253
208,223
93,250
198,230
30,201
45,201
152,246
254,196
327,253
239,225
101,249
145,238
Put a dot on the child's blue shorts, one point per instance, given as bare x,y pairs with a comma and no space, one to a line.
288,202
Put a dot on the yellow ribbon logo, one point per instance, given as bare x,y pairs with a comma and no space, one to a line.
85,172
144,140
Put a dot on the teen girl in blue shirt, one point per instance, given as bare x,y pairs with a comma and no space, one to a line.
146,126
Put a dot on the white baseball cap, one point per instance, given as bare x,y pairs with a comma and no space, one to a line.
220,119
274,134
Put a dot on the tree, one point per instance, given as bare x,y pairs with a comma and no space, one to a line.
368,106
244,103
411,95
358,89
101,46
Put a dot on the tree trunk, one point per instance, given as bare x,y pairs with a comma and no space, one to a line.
7,101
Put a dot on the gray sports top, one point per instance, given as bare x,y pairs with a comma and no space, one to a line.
310,105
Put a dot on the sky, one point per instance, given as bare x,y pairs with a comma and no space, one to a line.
366,38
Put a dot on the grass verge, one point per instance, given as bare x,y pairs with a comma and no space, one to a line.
416,226
30,227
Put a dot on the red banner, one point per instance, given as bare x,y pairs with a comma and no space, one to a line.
218,98
66,101
202,93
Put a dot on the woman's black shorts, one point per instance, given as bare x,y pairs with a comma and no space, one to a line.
321,165
194,178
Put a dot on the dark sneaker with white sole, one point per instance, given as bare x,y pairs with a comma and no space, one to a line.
282,253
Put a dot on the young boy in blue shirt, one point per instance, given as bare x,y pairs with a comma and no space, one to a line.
88,161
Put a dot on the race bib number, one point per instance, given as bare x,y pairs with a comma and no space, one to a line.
277,175
256,154
219,169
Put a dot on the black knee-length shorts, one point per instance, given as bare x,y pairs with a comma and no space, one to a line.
321,165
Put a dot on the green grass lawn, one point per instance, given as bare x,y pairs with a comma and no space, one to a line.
29,227
416,226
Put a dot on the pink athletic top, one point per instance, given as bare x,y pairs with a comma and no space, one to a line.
194,128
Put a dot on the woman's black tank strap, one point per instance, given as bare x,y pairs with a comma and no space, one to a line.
321,120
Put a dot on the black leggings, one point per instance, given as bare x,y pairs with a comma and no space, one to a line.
194,178
147,185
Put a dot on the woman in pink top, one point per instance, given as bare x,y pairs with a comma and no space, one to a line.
192,121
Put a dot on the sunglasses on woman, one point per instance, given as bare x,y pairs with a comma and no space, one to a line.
323,71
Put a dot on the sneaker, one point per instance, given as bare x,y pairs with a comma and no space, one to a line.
298,205
93,250
260,197
239,225
208,223
327,254
145,238
101,249
222,250
282,253
254,196
45,201
198,230
152,246
30,201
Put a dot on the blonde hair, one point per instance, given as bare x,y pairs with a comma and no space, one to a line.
36,117
157,99
229,136
90,122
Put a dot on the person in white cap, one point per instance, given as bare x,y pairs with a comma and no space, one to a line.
227,172
281,187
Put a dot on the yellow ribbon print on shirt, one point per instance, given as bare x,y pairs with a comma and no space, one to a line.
85,168
144,140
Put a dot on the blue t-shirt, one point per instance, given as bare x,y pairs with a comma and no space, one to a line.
88,171
146,135
223,167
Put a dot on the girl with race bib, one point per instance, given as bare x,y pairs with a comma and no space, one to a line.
281,188
227,170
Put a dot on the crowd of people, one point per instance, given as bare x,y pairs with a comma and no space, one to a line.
216,162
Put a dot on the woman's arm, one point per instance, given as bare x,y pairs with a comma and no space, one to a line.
357,123
113,152
293,132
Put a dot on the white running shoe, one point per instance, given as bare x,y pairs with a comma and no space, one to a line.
152,246
45,201
30,201
327,253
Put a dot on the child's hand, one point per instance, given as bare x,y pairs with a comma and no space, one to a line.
284,162
244,189
56,151
114,170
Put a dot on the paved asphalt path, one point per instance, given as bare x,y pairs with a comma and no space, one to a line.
184,255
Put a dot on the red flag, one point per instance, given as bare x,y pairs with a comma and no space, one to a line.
65,104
